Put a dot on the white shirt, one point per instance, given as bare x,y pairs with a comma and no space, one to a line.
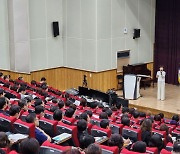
161,75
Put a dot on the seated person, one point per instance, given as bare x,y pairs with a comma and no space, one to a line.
93,106
93,149
61,104
69,112
23,105
156,141
103,115
2,93
57,115
38,102
29,146
116,140
6,77
139,147
104,124
39,110
135,114
3,106
176,147
125,121
157,118
4,142
53,108
43,80
22,92
83,102
125,110
164,127
162,117
175,120
146,129
40,135
82,128
85,140
14,111
29,101
89,112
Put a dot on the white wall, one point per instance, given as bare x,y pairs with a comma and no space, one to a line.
46,51
4,36
113,16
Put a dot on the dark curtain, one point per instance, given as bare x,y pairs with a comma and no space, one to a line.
167,38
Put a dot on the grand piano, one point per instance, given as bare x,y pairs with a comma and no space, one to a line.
139,68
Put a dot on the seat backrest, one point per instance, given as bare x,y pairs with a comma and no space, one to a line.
6,122
24,128
49,126
175,133
65,128
109,150
126,151
164,151
100,132
95,121
131,133
69,121
116,128
50,148
23,116
48,115
169,146
151,150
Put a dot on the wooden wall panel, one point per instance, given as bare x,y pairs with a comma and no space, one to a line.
150,66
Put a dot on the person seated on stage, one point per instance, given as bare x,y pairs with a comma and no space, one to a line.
40,135
39,102
57,115
14,111
146,129
104,124
156,141
86,140
3,106
162,117
125,121
116,140
39,110
164,127
139,147
103,115
175,120
82,128
176,147
93,149
29,146
61,104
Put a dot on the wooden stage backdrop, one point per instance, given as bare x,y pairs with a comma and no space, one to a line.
64,78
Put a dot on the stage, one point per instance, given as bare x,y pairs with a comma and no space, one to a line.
148,101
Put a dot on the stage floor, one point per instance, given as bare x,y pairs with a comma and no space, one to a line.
148,101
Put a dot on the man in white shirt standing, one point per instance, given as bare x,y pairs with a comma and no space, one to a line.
161,83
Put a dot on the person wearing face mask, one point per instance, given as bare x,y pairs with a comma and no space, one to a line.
161,83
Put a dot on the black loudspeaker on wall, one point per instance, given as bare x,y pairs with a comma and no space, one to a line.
136,33
55,26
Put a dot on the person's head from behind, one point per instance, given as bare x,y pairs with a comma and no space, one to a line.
93,149
38,102
6,77
125,110
39,110
103,115
125,121
61,104
109,112
57,115
104,123
4,141
161,115
131,111
33,82
20,78
29,146
3,103
43,79
175,117
1,92
146,125
139,146
81,125
89,112
23,104
135,114
31,118
156,141
14,111
1,74
118,105
93,105
72,150
84,116
83,102
22,90
157,117
53,108
7,85
116,140
176,147
164,127
86,140
69,112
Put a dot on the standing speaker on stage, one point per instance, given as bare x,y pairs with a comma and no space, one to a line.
161,83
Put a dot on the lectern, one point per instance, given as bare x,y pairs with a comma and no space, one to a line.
131,86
